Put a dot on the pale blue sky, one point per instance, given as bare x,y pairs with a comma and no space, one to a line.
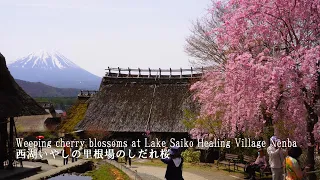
96,34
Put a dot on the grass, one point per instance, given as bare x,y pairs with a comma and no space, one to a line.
107,172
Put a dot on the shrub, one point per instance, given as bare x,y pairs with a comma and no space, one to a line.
303,162
191,156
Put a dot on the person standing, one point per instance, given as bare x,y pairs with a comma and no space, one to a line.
40,145
293,169
66,154
174,164
73,153
128,152
276,159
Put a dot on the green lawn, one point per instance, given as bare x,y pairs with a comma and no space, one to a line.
107,172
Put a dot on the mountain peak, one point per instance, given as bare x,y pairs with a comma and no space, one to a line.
54,69
44,52
44,59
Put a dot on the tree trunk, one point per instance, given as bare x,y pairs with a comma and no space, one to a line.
268,130
311,121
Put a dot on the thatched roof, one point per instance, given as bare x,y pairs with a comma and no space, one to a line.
38,123
13,100
123,105
74,115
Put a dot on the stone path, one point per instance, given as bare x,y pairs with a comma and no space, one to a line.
147,172
157,173
19,171
189,173
58,170
34,168
44,167
145,176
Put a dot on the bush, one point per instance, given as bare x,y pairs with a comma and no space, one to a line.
303,162
191,156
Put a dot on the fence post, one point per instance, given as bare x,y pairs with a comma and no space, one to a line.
139,72
119,72
149,72
159,72
109,70
191,72
129,72
180,72
170,73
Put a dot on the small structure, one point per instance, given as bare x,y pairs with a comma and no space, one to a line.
86,94
137,102
14,102
48,106
59,113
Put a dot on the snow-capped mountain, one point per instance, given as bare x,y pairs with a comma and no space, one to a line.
45,60
52,68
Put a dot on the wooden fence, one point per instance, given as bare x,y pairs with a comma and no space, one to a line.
87,93
46,105
154,73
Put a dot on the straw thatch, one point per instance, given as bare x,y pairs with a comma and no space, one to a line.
74,115
124,106
13,100
38,123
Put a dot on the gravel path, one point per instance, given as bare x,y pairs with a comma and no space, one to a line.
189,173
157,173
148,176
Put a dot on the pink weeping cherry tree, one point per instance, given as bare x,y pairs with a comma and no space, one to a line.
271,75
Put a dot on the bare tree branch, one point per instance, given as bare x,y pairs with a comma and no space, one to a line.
202,45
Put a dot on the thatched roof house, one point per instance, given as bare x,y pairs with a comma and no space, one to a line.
140,103
13,100
74,115
38,123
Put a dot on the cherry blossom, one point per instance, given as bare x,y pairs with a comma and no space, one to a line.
271,76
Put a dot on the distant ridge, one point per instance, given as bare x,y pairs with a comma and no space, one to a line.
54,69
42,90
